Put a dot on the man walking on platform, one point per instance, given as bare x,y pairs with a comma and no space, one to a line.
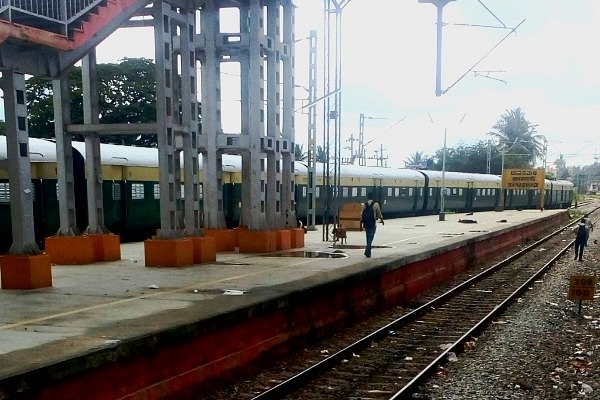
371,212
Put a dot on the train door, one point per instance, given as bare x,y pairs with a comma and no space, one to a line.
469,197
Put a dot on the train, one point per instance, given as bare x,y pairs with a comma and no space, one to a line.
131,194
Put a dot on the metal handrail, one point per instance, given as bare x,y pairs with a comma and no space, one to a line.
61,12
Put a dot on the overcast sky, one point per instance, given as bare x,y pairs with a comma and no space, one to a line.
548,67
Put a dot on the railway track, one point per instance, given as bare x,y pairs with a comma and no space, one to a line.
391,361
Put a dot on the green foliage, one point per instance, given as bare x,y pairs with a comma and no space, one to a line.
518,139
321,155
415,160
127,94
299,154
470,158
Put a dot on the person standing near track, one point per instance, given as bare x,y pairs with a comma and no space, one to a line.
581,235
371,212
589,225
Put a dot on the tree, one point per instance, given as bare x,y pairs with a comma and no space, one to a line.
415,160
469,158
127,94
321,156
299,154
518,139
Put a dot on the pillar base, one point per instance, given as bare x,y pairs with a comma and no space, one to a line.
258,242
297,238
168,252
224,239
25,272
204,250
284,239
70,250
107,247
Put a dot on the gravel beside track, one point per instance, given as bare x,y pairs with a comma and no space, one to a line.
541,348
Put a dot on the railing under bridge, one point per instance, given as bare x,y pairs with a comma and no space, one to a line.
59,16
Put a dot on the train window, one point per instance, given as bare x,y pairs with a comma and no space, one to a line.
277,186
4,192
410,192
137,191
344,192
354,191
478,192
156,191
200,191
304,190
460,192
182,191
116,191
396,192
363,191
262,185
318,192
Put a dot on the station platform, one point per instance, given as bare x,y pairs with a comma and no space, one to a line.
129,331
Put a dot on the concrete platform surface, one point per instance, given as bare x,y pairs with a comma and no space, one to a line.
91,307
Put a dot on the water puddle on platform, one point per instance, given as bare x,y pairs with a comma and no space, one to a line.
310,254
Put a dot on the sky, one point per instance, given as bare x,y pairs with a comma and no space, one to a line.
548,67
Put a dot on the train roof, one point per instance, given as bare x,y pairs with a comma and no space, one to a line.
40,150
147,156
365,171
451,175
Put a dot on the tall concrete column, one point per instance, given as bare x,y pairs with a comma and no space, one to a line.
211,116
93,164
64,159
252,67
287,52
189,117
19,169
274,113
168,159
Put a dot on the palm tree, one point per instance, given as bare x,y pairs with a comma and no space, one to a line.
519,138
299,154
415,159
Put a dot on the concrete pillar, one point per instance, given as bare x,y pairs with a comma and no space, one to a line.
19,169
288,129
170,187
211,117
274,113
64,159
93,165
189,117
252,68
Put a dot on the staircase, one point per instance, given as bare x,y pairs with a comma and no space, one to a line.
64,30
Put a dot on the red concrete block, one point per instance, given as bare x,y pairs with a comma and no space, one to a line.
284,239
258,242
70,250
224,239
236,233
297,238
106,247
204,250
168,252
25,272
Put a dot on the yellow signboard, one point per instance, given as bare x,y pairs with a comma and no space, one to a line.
582,287
523,178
